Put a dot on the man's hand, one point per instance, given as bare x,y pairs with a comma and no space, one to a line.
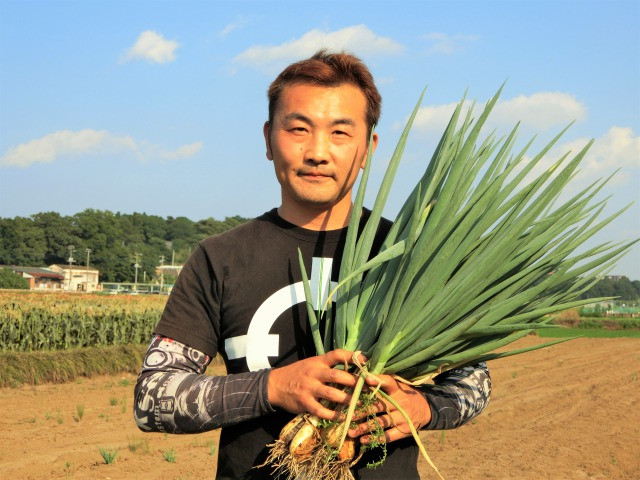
298,387
392,421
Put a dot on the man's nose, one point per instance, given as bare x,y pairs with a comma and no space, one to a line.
318,149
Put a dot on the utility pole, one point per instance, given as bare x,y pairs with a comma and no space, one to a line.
137,266
161,273
70,259
86,286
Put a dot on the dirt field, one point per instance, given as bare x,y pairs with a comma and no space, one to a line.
574,416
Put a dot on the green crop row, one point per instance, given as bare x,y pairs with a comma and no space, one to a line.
38,330
49,322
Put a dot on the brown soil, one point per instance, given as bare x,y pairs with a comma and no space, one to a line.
568,412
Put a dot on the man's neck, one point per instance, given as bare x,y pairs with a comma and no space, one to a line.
317,219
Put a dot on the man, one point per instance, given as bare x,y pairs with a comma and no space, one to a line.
240,295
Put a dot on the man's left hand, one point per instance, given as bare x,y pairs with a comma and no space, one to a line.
392,421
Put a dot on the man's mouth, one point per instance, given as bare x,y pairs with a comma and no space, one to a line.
312,174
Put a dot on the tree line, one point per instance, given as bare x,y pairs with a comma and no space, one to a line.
620,287
43,239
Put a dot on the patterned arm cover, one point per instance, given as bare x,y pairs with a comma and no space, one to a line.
458,396
172,394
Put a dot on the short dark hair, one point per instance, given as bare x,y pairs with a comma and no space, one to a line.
329,69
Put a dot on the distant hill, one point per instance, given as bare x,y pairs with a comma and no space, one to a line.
43,239
113,238
615,286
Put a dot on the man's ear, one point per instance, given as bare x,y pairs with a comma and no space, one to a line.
267,140
374,140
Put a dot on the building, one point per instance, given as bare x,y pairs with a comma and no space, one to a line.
40,278
614,278
78,278
173,270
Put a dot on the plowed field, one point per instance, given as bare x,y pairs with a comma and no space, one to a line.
568,412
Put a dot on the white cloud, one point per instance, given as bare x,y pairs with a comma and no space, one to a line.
51,147
232,26
539,111
184,151
357,39
619,148
448,44
151,47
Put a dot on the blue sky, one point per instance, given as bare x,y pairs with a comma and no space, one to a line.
158,107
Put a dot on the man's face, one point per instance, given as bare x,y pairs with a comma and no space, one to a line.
318,143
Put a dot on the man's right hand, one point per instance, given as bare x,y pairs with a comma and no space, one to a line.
299,387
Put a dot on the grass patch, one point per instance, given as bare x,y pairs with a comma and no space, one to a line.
169,455
109,456
79,413
572,318
33,368
588,333
139,446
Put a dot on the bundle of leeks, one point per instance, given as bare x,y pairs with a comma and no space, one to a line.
478,257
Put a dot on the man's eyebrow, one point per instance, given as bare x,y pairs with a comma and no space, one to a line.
305,119
297,116
344,121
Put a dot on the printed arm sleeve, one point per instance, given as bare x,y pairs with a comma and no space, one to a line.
172,393
458,396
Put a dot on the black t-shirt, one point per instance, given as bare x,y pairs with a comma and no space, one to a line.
241,295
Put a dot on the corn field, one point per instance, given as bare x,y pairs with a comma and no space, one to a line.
34,321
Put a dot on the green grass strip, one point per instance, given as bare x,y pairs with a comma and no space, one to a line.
588,333
34,368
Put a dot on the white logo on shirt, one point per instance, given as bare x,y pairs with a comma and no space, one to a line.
258,344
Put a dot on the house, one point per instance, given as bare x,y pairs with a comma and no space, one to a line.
614,278
40,278
173,270
77,277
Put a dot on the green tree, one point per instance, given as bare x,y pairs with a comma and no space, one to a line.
624,289
603,288
5,254
181,237
608,287
211,226
23,242
10,279
58,235
102,232
180,228
114,239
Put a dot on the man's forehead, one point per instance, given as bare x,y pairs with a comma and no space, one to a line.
311,85
344,94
